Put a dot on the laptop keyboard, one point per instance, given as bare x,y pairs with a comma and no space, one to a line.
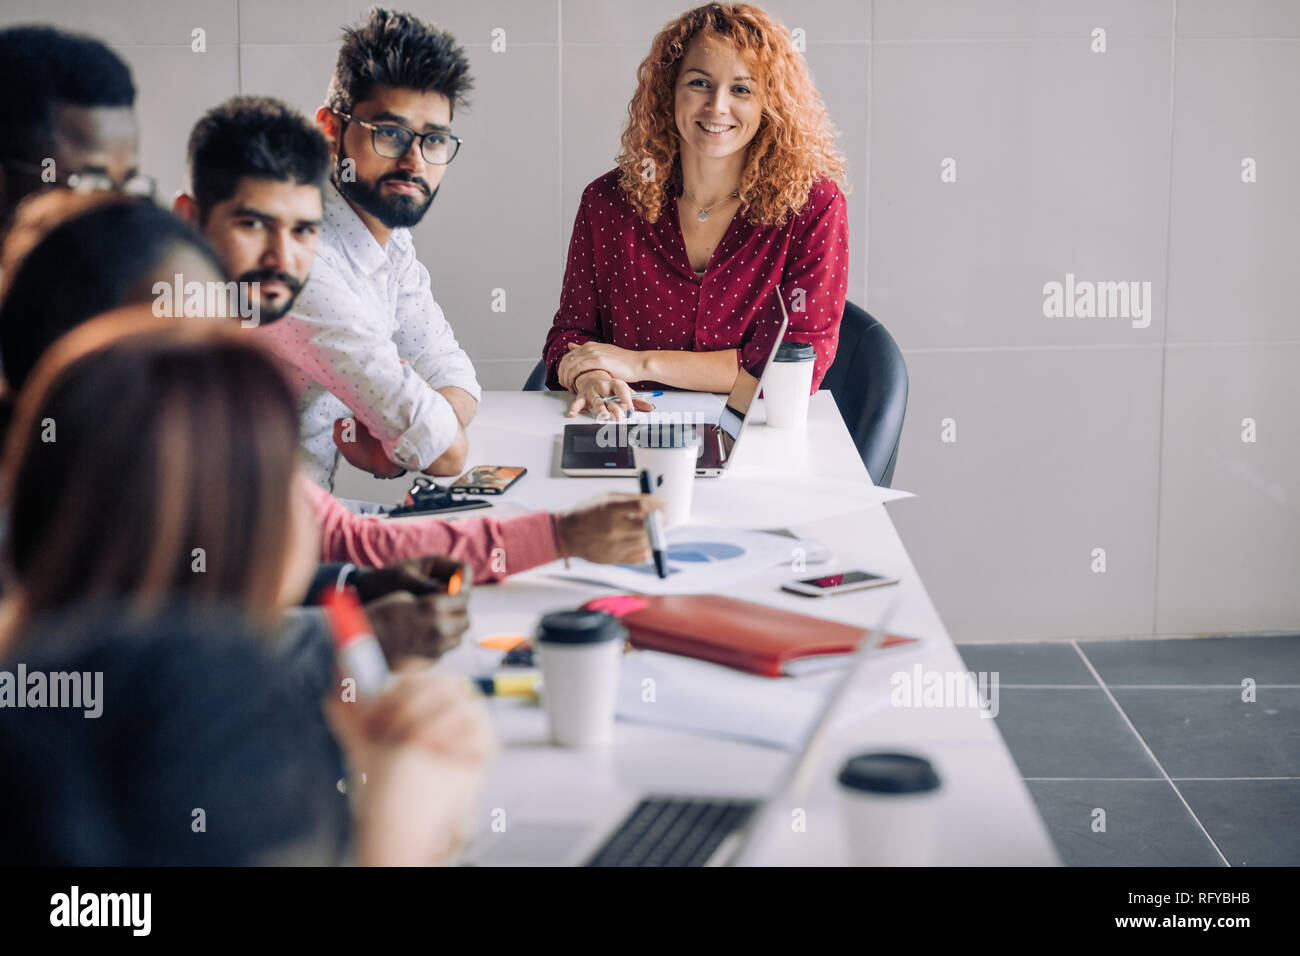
673,831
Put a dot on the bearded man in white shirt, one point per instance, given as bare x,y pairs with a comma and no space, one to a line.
380,375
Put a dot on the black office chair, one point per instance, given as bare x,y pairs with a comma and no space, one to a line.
537,380
868,381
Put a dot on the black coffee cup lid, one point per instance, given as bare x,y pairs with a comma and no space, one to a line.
795,352
580,627
889,773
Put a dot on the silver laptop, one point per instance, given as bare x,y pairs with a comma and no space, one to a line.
696,830
605,450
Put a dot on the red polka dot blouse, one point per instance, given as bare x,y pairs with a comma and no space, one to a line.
629,282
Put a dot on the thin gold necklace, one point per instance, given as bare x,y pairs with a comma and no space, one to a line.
704,212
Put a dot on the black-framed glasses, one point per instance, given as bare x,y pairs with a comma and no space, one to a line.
94,181
392,141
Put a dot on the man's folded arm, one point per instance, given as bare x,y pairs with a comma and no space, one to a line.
356,361
426,342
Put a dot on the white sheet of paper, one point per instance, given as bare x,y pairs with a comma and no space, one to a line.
789,500
700,559
699,697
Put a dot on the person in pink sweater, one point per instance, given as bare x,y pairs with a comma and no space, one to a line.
606,530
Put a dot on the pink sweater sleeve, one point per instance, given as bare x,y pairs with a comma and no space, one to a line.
493,547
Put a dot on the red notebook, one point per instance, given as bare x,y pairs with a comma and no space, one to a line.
750,637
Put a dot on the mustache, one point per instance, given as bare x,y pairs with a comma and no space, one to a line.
273,275
403,178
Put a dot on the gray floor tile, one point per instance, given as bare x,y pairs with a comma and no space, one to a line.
1028,663
1212,733
1252,821
1146,824
1202,660
1069,733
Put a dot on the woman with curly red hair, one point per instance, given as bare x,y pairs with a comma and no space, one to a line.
726,191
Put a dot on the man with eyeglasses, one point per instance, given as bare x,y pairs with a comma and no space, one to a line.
67,120
380,375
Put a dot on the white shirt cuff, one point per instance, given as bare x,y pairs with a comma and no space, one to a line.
427,439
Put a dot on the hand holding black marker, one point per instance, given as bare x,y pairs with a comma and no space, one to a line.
654,528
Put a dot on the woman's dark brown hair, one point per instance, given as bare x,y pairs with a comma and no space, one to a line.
150,458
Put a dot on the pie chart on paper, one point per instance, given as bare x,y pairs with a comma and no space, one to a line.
700,560
703,552
693,553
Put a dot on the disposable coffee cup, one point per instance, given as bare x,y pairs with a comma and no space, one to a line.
668,451
580,653
889,802
786,384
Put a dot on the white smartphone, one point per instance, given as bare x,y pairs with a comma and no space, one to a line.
829,584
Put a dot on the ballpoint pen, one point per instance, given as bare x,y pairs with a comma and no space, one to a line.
614,398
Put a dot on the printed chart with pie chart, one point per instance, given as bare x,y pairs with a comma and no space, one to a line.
700,560
694,552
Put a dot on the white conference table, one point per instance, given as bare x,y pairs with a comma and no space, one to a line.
811,482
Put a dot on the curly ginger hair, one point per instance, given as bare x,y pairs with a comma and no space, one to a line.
795,143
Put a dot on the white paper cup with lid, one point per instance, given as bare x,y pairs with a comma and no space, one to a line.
787,381
889,802
580,652
669,452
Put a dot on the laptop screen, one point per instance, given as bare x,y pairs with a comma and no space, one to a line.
747,387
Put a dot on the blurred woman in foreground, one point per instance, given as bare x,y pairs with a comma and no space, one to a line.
154,463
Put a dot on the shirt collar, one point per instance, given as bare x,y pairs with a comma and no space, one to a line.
352,234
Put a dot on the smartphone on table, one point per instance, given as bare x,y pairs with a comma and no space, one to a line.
487,479
831,584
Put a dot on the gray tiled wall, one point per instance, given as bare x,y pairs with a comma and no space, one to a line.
1072,434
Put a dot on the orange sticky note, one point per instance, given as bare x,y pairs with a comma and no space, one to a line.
502,642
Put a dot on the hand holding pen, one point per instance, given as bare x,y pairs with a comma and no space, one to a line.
600,394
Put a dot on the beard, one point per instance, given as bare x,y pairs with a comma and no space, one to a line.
395,211
266,312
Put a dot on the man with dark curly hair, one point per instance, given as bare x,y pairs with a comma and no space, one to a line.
380,375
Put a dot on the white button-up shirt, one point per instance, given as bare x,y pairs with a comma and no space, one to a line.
366,339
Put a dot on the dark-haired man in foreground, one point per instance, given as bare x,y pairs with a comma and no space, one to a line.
366,338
